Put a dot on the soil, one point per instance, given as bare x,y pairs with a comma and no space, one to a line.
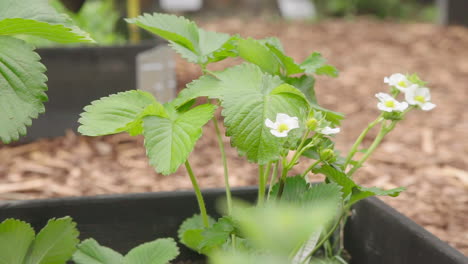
427,152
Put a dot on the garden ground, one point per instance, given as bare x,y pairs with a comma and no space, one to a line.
427,152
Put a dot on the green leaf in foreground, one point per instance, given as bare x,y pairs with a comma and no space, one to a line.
15,238
249,98
22,87
169,140
315,64
205,86
160,251
90,252
55,32
257,53
39,10
118,112
55,243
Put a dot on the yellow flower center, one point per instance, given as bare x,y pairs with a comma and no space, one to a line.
420,99
282,128
390,104
402,84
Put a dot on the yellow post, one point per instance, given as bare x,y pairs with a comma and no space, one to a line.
133,10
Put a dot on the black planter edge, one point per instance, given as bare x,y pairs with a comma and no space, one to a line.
408,225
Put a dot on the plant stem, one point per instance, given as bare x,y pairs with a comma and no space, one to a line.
201,202
223,157
311,167
361,137
383,131
299,150
327,236
261,184
274,175
284,174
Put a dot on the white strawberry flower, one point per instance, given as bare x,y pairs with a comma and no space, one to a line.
282,125
420,96
328,130
399,81
389,104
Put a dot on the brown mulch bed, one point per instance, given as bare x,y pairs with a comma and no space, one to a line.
427,152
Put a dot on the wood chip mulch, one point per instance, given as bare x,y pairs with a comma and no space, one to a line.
427,152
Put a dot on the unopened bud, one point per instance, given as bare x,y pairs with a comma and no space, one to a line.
327,155
312,124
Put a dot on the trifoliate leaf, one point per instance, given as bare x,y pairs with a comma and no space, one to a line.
194,222
287,63
205,86
160,251
217,234
315,64
15,238
249,98
176,29
55,243
55,32
360,193
294,189
118,112
22,87
169,140
90,252
323,194
257,53
192,43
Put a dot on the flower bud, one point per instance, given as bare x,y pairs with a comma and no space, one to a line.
311,123
327,155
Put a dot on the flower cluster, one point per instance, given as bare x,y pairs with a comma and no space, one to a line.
413,88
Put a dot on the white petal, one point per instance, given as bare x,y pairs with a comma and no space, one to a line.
276,133
409,96
382,107
282,118
386,80
425,92
293,123
401,106
330,131
428,106
383,96
270,124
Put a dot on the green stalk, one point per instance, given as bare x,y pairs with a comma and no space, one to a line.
361,137
383,131
201,202
261,184
274,175
311,167
133,10
226,174
327,236
299,150
284,174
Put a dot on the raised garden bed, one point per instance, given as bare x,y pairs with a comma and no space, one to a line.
375,233
79,75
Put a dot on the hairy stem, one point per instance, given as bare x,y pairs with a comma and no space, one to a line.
358,142
327,236
274,176
223,157
384,130
201,202
310,168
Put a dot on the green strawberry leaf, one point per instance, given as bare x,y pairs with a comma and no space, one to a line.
249,98
118,113
90,252
205,86
315,64
287,63
39,10
160,251
194,222
294,189
22,87
54,32
169,140
360,193
217,235
192,43
15,239
257,53
55,243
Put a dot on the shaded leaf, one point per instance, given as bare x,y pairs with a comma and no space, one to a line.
160,251
90,252
15,238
